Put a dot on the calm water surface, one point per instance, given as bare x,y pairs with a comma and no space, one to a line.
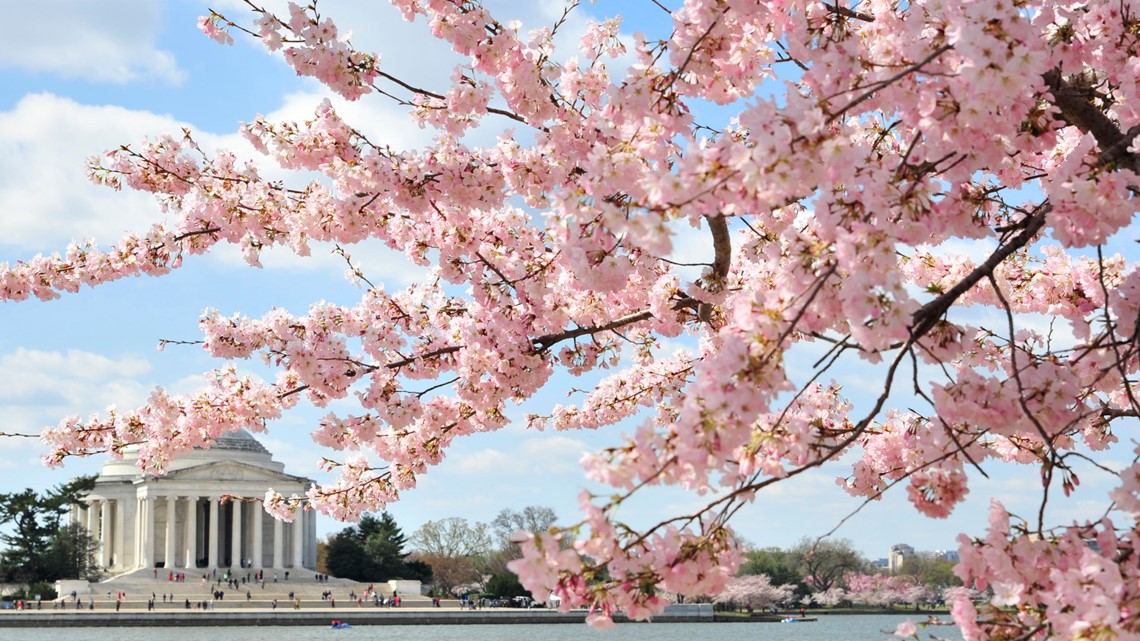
828,628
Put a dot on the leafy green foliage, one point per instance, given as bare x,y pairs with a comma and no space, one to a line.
37,547
822,563
931,571
505,585
372,550
71,554
778,565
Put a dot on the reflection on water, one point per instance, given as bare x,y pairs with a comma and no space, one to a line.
827,628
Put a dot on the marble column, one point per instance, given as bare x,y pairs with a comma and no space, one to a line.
148,532
257,554
168,553
298,539
105,534
311,541
278,534
235,548
191,560
92,514
140,519
119,547
212,551
135,525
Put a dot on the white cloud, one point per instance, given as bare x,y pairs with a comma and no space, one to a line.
975,249
409,52
692,249
44,193
554,454
94,41
546,455
298,458
38,387
1057,329
381,265
487,461
378,118
45,141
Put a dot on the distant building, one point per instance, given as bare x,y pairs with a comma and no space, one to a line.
179,520
898,555
947,555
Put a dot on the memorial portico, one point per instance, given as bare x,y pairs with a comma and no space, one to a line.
204,513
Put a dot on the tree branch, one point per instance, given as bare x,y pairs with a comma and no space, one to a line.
722,260
722,247
1073,96
929,314
543,343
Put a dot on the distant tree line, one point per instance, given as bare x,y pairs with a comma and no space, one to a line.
831,572
456,556
453,555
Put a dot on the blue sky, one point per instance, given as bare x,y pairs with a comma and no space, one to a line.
77,78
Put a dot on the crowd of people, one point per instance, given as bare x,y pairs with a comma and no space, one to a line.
216,582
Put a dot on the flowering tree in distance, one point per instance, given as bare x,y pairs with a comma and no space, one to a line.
755,591
886,591
870,139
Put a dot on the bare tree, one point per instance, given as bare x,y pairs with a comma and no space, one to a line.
452,537
532,518
824,562
456,550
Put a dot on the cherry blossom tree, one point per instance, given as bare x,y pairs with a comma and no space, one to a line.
755,591
829,598
871,141
824,563
954,593
885,591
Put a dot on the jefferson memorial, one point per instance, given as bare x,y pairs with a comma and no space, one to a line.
179,520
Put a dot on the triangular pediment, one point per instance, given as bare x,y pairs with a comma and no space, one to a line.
232,471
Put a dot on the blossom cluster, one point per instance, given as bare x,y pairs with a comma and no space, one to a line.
883,591
755,591
597,573
1080,582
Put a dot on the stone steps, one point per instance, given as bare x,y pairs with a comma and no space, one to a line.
196,601
139,585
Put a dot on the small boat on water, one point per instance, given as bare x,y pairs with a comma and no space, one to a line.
798,619
934,620
338,625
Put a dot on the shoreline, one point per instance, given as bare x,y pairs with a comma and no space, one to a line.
314,616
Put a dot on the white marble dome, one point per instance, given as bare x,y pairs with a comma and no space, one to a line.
205,511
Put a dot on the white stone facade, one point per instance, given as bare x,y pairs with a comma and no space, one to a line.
180,521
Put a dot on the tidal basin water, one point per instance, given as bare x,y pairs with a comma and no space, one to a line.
827,628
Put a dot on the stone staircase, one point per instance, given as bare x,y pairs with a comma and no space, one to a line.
197,591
